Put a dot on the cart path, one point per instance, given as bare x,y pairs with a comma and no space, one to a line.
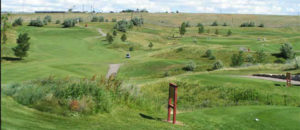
113,69
101,32
272,79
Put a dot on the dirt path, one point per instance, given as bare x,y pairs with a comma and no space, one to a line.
101,32
113,69
272,79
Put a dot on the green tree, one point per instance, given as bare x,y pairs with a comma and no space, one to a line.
201,29
229,33
260,56
115,33
150,45
109,38
182,29
124,37
17,22
218,65
215,23
237,59
286,51
23,45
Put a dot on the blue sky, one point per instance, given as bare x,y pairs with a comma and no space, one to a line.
281,7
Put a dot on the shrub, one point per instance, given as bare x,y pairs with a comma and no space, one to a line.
150,45
260,56
109,38
229,33
166,74
237,59
57,22
249,58
217,32
261,25
115,33
182,29
48,19
201,29
113,20
101,19
130,26
215,23
95,19
106,20
45,22
208,53
279,61
23,45
225,24
131,48
187,24
121,26
248,24
199,25
37,23
286,51
17,22
124,37
218,65
191,66
137,21
212,58
69,23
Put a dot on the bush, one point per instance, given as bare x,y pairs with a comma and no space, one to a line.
215,23
249,58
279,61
113,20
261,25
23,45
95,19
201,29
69,23
229,33
225,24
248,24
121,26
187,24
115,33
37,23
212,58
17,22
260,56
191,66
106,20
199,25
137,21
48,19
208,53
182,29
45,22
124,37
109,38
131,48
286,51
150,45
217,32
57,22
69,96
101,19
237,59
218,65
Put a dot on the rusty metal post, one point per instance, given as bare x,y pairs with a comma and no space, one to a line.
172,95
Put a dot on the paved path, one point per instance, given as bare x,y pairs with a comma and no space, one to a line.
272,79
101,32
113,69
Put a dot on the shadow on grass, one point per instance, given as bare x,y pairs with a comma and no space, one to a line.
10,59
150,117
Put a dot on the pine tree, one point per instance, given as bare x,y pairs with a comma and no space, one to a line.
124,37
23,45
182,29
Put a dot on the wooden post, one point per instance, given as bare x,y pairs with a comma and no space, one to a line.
288,79
172,95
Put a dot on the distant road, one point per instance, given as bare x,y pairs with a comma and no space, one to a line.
272,79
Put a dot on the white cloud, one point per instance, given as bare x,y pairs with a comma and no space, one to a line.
202,6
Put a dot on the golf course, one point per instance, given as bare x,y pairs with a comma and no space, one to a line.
80,76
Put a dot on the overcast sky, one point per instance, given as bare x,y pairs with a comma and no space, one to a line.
281,7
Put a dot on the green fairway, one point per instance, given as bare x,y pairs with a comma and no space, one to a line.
207,98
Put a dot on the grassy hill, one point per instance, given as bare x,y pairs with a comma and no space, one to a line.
207,99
